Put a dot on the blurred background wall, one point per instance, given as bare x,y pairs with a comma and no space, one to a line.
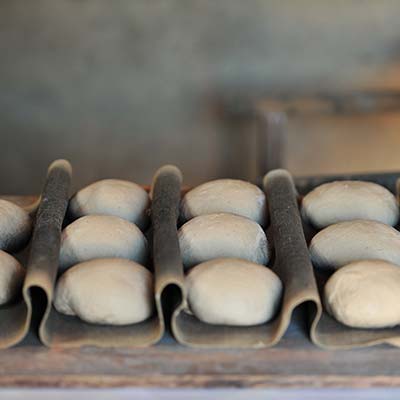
121,87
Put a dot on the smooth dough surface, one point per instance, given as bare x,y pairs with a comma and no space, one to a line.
11,277
101,236
15,227
222,235
365,294
225,196
348,200
345,242
106,291
230,291
115,197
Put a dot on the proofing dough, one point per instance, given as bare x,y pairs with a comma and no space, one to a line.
15,227
106,291
229,291
222,235
349,241
225,196
101,236
112,197
11,277
365,294
348,200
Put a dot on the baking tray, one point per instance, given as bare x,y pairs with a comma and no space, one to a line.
326,332
291,263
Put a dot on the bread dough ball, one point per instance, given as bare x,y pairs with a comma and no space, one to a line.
348,200
116,197
365,294
230,291
111,291
225,196
342,243
15,227
101,236
222,235
11,277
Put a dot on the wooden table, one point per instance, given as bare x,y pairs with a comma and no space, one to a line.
294,363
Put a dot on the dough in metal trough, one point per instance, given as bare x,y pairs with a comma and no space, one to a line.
15,227
230,291
348,200
365,294
11,277
101,236
225,196
106,291
222,235
116,197
342,243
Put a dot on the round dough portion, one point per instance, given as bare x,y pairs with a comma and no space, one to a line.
15,227
115,197
343,243
11,277
101,236
106,291
340,201
222,235
365,294
226,196
229,291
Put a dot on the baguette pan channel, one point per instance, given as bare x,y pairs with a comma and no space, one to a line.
326,332
58,330
292,264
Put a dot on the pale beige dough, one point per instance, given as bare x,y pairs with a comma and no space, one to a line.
225,196
111,291
101,236
365,294
115,197
11,277
348,200
15,227
222,235
230,291
345,242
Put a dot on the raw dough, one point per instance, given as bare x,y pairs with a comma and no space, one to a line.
116,197
11,277
229,291
15,227
101,236
342,243
222,235
111,291
365,294
226,196
348,200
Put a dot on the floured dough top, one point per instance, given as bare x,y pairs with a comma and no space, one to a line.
101,236
348,200
106,291
115,197
342,243
15,227
11,277
225,196
229,291
365,294
222,235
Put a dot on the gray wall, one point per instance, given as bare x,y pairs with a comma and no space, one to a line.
120,87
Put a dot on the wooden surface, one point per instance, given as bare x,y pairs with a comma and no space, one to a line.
294,363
